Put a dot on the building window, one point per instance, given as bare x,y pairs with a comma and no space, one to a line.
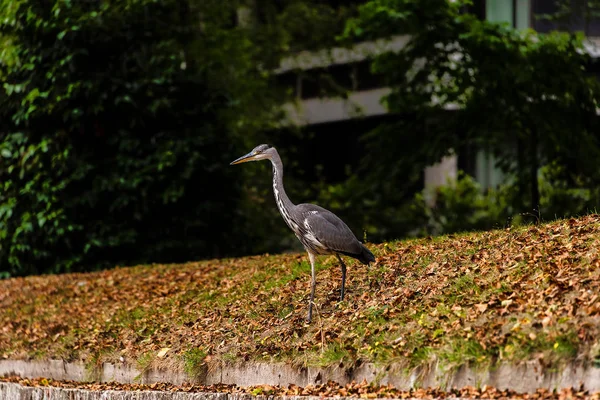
515,12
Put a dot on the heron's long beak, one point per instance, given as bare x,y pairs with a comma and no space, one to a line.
243,159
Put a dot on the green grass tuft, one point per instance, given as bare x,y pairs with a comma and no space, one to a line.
194,363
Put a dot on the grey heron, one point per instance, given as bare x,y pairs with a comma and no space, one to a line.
319,230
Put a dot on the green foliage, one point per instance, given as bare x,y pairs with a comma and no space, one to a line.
561,198
382,18
463,206
34,224
194,362
571,13
379,215
117,123
299,25
144,361
523,97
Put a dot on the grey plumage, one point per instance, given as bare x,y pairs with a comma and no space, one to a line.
319,230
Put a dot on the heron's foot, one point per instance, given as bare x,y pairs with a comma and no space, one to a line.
308,318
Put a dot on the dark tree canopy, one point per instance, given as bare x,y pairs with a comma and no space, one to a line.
118,122
524,97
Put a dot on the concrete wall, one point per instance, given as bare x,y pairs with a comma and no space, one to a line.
13,391
525,377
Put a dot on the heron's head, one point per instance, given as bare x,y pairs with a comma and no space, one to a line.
260,152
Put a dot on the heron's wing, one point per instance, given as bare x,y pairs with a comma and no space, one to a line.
331,231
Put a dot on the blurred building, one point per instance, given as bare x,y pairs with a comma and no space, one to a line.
308,75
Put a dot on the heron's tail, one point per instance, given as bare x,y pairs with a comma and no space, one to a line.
366,256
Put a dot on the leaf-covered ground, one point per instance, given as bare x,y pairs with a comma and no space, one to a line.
505,295
361,390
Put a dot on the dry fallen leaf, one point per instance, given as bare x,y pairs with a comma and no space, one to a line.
481,307
163,352
435,294
325,390
546,321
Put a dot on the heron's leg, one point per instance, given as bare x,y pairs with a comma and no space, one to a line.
343,277
313,283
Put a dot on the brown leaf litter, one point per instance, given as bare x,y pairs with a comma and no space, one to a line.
506,295
361,390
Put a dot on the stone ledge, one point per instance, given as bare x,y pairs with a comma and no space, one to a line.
16,391
526,377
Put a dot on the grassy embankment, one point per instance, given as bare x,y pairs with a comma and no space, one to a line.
505,295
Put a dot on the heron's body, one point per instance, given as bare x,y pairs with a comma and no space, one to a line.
319,230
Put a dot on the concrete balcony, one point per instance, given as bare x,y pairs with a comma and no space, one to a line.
317,111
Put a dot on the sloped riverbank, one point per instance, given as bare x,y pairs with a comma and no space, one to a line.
515,308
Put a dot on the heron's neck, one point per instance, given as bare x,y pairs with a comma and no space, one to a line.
283,201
